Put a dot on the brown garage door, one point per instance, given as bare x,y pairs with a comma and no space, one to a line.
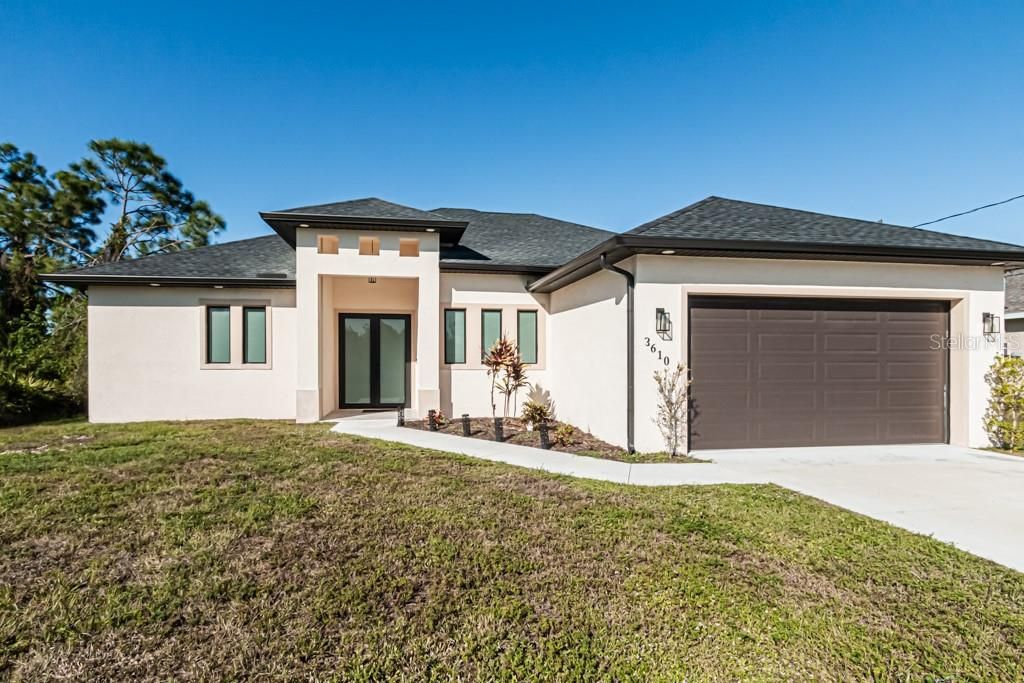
816,372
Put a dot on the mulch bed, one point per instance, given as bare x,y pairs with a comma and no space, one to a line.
514,431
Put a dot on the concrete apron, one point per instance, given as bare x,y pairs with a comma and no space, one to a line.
968,498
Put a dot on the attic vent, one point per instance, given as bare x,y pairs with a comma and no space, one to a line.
277,275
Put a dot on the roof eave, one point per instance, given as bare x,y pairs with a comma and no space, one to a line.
286,223
83,280
623,246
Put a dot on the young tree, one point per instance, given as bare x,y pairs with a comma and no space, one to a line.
673,403
152,211
507,372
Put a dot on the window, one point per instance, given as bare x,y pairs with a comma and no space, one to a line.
490,330
369,246
218,334
254,334
408,247
327,244
526,334
454,336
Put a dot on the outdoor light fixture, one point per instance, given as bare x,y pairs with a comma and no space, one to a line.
668,252
371,280
662,321
990,323
303,225
430,230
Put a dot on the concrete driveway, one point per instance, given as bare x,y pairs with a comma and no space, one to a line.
972,499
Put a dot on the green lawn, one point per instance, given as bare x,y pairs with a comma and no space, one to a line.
228,550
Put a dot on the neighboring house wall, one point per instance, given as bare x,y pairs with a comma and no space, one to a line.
1015,337
587,354
147,356
668,281
466,387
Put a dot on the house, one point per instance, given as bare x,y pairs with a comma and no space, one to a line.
800,328
1014,315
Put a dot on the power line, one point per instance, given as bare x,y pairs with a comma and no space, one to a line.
964,213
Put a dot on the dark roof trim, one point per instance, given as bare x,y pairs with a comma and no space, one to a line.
83,280
285,223
625,245
494,268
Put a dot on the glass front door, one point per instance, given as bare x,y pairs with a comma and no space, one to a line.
374,353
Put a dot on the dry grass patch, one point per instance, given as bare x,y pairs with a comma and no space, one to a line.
235,550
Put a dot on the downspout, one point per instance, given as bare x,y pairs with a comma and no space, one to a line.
630,286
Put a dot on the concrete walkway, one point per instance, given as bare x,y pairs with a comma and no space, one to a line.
969,498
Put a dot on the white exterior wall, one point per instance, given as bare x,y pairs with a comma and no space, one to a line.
146,356
587,354
465,387
668,281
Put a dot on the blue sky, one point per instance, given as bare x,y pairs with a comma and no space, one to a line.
605,115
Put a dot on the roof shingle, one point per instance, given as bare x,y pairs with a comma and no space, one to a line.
368,207
716,218
517,239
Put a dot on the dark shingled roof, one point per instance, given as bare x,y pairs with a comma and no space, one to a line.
494,239
1015,291
260,258
368,207
715,218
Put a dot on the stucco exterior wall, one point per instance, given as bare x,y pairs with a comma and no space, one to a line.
465,387
146,362
587,354
668,281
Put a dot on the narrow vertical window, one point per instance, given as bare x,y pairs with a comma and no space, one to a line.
218,334
254,334
490,330
526,334
454,336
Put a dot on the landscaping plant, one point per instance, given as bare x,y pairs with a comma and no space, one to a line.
1004,420
535,412
507,371
673,401
564,435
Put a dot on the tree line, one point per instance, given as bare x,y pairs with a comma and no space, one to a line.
118,202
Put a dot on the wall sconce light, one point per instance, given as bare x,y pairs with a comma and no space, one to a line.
663,323
371,280
990,323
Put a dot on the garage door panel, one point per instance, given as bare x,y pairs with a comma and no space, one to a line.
786,342
723,343
817,372
803,371
852,371
864,399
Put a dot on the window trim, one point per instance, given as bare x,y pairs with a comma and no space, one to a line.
536,334
465,334
483,312
210,308
245,336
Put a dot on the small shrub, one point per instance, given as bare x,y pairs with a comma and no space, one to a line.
564,435
1004,420
440,419
535,412
673,401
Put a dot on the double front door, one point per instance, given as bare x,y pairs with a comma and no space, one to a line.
374,356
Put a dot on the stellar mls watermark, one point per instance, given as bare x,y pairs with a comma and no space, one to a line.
976,342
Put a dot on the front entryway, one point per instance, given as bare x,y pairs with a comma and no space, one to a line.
374,357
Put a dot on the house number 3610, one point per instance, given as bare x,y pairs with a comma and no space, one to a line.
653,348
